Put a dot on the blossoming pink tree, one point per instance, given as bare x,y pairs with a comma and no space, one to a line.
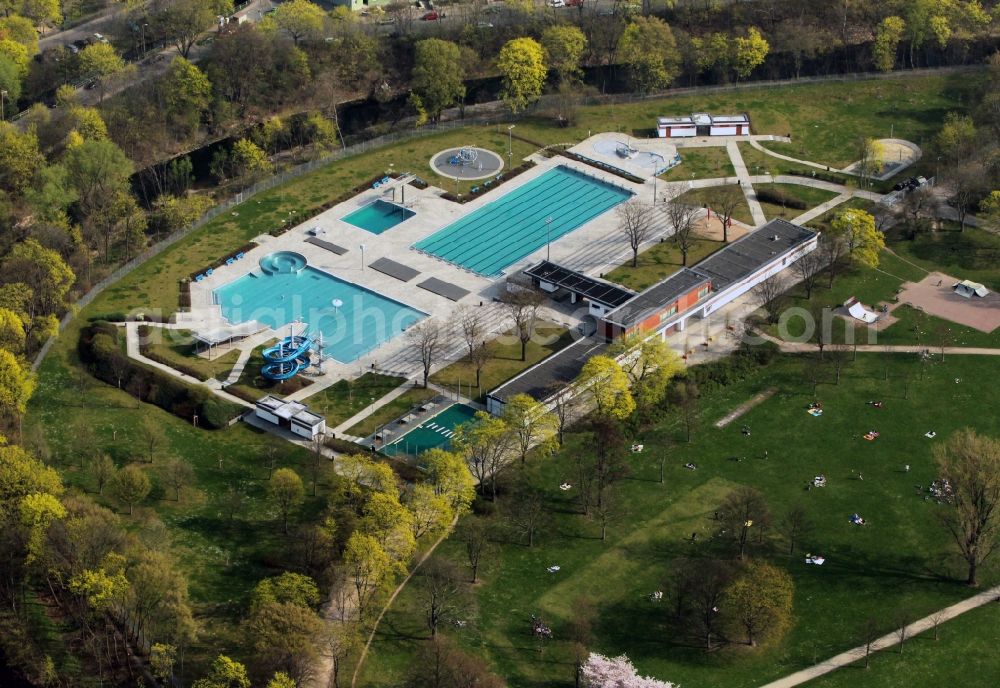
616,672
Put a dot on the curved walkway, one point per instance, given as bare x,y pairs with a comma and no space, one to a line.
889,640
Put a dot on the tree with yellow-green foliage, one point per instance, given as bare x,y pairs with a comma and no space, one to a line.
20,29
990,210
17,384
12,335
225,673
131,486
21,474
871,158
438,75
385,517
564,46
649,50
759,602
607,386
187,92
300,19
20,158
369,566
102,63
522,67
42,11
749,52
487,445
450,476
287,492
38,511
531,425
863,240
428,509
48,275
887,38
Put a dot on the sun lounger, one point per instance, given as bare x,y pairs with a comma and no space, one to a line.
816,412
930,435
565,486
230,261
199,278
818,561
239,256
637,448
552,569
386,180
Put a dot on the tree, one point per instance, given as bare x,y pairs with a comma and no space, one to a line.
726,201
796,525
615,672
649,51
10,80
428,509
478,547
531,425
247,161
808,268
871,158
967,184
832,251
17,384
20,29
522,307
608,387
281,680
522,67
760,601
101,62
769,294
682,223
697,588
971,465
103,470
369,566
440,664
178,473
990,209
152,436
635,222
300,19
342,640
887,39
525,510
285,636
225,673
863,241
287,492
183,21
488,447
749,52
438,75
425,338
187,92
564,45
743,509
450,476
442,593
958,138
131,486
99,172
20,158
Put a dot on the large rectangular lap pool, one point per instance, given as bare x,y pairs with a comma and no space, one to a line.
359,322
501,233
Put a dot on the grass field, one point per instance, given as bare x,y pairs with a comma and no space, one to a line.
701,163
707,197
973,254
900,561
345,398
659,261
505,362
391,411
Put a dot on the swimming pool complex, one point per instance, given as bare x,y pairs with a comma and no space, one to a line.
378,216
361,321
515,225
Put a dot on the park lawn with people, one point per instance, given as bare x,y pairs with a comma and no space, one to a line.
900,565
222,530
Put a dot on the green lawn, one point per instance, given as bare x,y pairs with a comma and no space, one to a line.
178,350
810,196
964,654
973,254
344,398
659,261
505,363
701,163
901,560
707,196
391,411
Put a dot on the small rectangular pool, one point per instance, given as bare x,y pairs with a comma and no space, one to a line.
378,216
361,320
434,432
490,239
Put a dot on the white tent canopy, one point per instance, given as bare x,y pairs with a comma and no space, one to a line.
968,288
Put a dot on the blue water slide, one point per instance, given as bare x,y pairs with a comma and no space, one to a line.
287,359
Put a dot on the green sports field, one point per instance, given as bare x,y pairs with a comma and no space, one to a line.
434,432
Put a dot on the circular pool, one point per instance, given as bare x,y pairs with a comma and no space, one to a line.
282,262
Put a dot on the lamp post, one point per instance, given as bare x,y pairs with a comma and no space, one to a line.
510,146
548,236
362,257
143,32
3,94
937,170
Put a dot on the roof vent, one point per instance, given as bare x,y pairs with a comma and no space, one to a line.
775,237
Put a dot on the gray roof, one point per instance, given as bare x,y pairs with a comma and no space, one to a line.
656,297
539,382
745,256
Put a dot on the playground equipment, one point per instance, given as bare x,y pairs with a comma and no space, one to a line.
465,156
287,359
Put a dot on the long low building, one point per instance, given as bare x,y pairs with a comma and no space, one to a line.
702,124
665,307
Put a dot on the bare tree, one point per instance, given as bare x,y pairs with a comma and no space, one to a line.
971,465
682,219
177,473
684,397
741,511
442,592
479,357
870,632
968,183
915,205
522,306
795,525
838,358
902,620
426,337
635,222
769,295
471,323
525,511
152,437
103,470
937,618
697,589
808,269
581,634
607,509
833,252
475,534
726,201
564,406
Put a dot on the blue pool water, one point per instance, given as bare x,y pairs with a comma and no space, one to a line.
502,232
362,322
378,216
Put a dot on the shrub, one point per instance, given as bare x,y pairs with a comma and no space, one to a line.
777,197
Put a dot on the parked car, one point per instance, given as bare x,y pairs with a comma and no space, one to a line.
100,38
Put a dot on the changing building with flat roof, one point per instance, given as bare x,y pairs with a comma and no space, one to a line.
703,124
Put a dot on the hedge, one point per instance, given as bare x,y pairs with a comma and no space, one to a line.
776,197
489,184
100,350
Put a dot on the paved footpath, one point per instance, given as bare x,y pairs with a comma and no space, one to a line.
886,641
756,212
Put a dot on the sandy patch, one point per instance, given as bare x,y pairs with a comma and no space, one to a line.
934,295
